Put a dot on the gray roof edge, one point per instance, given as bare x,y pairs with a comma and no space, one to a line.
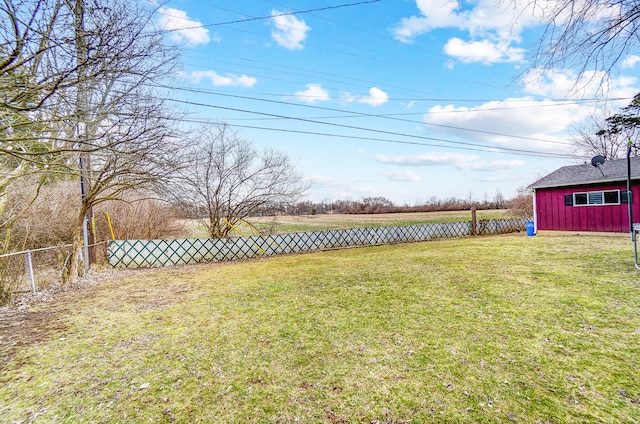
613,171
583,183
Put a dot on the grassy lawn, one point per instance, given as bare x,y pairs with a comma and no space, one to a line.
298,223
493,329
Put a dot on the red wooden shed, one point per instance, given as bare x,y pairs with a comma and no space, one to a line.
587,198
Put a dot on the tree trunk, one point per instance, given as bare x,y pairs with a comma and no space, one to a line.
70,274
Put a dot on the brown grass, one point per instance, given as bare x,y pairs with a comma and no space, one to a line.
296,223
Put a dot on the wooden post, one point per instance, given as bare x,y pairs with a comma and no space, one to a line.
474,227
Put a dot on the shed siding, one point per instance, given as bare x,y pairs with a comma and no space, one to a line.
552,214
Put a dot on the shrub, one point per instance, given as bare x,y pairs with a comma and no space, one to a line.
34,216
11,269
522,204
46,221
137,218
50,219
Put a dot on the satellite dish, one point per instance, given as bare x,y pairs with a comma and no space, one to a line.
597,162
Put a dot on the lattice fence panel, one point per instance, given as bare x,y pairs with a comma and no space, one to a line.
157,253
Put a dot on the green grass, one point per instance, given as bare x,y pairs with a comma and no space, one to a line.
495,329
289,224
298,223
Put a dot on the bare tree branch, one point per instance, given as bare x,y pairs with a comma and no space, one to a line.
228,180
76,79
590,35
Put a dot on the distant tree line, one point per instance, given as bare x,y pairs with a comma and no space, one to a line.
375,205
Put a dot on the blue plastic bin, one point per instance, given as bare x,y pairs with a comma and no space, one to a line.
531,231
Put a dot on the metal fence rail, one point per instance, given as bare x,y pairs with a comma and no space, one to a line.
34,269
28,269
157,253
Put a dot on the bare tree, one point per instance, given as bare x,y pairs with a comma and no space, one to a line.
228,180
609,136
23,152
28,31
596,138
127,133
93,70
499,201
590,34
522,204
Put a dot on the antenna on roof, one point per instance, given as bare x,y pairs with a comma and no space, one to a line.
597,162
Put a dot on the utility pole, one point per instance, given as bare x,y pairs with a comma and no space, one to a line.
81,111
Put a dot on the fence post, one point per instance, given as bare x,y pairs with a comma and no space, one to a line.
30,270
474,227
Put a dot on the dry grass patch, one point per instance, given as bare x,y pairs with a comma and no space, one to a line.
500,329
298,223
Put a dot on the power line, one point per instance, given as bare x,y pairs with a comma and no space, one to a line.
352,137
374,59
258,18
384,37
400,141
461,143
556,103
360,56
386,140
367,115
323,134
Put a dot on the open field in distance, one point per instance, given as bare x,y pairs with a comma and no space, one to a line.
298,223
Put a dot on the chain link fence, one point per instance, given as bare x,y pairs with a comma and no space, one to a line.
36,269
158,253
31,270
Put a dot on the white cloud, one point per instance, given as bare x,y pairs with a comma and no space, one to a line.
526,123
494,165
486,17
401,175
182,28
551,84
289,32
462,162
517,123
224,81
409,28
630,61
376,97
336,188
492,28
346,97
326,181
564,83
313,93
435,14
484,51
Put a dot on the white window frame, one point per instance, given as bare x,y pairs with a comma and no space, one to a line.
594,195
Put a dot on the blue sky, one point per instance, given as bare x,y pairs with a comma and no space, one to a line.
405,99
